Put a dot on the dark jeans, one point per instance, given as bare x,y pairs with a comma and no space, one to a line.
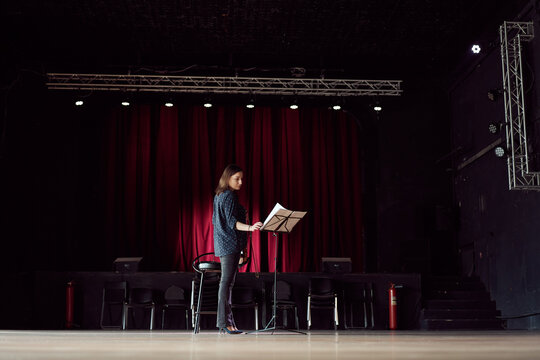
229,268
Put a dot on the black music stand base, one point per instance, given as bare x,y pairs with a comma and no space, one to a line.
271,325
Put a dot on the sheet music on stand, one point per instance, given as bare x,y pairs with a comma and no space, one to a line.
282,220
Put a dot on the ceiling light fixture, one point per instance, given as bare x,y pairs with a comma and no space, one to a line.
476,49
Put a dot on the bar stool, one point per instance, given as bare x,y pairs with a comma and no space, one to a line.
202,267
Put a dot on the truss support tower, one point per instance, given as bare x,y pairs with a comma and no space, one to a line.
512,35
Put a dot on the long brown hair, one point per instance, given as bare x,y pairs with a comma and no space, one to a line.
229,171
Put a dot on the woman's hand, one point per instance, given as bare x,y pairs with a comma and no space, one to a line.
245,227
256,226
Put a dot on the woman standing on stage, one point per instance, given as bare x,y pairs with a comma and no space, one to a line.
230,238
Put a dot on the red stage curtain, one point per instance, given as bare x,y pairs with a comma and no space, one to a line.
161,166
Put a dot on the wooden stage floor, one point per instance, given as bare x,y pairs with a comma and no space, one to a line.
179,345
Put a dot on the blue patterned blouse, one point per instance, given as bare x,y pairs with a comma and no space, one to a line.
228,211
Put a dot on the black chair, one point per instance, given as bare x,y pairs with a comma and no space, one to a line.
206,286
113,299
139,298
322,295
174,300
358,304
246,298
285,302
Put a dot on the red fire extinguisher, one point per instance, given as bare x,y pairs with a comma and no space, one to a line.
70,298
392,307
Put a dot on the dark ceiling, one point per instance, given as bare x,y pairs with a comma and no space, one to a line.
340,38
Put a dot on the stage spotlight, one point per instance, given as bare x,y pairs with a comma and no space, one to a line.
494,94
336,107
495,127
207,101
376,105
294,103
169,100
125,103
499,151
79,103
476,49
250,106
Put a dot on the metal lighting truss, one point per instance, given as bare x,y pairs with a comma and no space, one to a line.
511,35
225,85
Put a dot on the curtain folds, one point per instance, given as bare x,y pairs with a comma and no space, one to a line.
161,166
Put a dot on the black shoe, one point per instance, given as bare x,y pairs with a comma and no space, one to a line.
231,332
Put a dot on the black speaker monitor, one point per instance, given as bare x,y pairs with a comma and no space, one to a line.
335,265
127,264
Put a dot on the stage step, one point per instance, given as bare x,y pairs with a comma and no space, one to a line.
454,283
458,295
452,303
438,314
462,324
459,304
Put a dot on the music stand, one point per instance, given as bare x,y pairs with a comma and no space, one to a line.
282,221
